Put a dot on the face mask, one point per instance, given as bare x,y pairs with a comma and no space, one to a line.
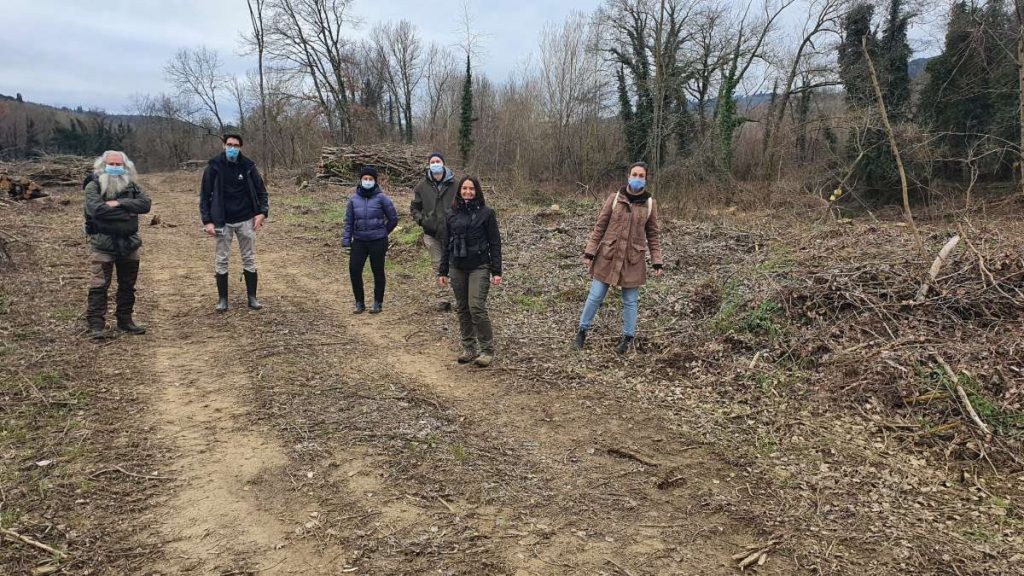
637,184
436,168
231,152
114,170
368,184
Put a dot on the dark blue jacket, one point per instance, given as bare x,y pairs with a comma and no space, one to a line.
370,216
211,193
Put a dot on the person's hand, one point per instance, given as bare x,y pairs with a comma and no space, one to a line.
210,230
659,271
496,280
442,281
112,203
347,250
588,263
257,222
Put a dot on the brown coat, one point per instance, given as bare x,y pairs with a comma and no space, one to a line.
621,236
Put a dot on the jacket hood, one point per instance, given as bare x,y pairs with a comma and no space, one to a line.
448,176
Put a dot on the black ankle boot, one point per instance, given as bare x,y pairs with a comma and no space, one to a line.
580,340
623,345
127,325
222,292
359,308
377,308
251,279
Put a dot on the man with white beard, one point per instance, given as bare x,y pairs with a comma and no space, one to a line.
113,202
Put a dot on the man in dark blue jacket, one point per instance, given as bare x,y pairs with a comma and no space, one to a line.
233,202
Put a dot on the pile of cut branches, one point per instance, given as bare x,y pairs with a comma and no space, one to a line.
56,170
403,165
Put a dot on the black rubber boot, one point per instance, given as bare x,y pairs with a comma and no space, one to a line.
580,340
623,345
377,308
127,276
96,312
126,325
250,289
222,292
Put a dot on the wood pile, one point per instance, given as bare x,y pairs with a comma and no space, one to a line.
46,171
401,164
19,188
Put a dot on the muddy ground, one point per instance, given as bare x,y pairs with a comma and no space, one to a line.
301,439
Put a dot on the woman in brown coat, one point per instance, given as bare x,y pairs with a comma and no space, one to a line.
626,228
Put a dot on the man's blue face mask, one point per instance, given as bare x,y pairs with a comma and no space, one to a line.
232,152
114,170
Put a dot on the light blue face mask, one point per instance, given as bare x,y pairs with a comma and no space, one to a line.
637,184
368,184
436,168
114,170
231,152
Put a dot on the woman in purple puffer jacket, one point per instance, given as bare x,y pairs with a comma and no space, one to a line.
369,218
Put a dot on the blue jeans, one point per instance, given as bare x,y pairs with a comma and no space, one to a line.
598,290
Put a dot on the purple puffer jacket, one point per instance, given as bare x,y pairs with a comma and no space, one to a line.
370,216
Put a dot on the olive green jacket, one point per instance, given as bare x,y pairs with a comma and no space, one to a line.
116,228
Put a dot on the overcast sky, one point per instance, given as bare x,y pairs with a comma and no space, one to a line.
101,54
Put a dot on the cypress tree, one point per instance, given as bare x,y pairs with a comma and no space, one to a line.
466,117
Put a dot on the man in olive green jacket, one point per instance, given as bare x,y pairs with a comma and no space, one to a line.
113,202
430,207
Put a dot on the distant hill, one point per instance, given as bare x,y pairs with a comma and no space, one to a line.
29,130
916,66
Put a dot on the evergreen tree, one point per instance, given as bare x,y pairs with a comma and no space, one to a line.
894,59
853,68
466,117
634,141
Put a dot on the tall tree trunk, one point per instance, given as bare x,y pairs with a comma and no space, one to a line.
1020,76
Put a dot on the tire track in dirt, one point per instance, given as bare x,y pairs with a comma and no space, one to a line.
230,512
653,523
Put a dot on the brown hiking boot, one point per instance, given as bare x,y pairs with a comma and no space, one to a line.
468,356
484,360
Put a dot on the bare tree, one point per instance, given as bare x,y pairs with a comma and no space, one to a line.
748,47
237,89
822,19
400,59
706,55
442,74
258,42
406,55
308,36
570,78
1019,6
196,73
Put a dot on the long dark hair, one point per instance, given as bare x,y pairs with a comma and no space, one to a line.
458,203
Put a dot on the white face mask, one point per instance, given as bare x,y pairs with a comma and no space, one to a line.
436,168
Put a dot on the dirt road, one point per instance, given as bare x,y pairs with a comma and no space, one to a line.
301,439
307,440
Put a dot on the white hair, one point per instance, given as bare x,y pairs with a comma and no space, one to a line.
111,186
